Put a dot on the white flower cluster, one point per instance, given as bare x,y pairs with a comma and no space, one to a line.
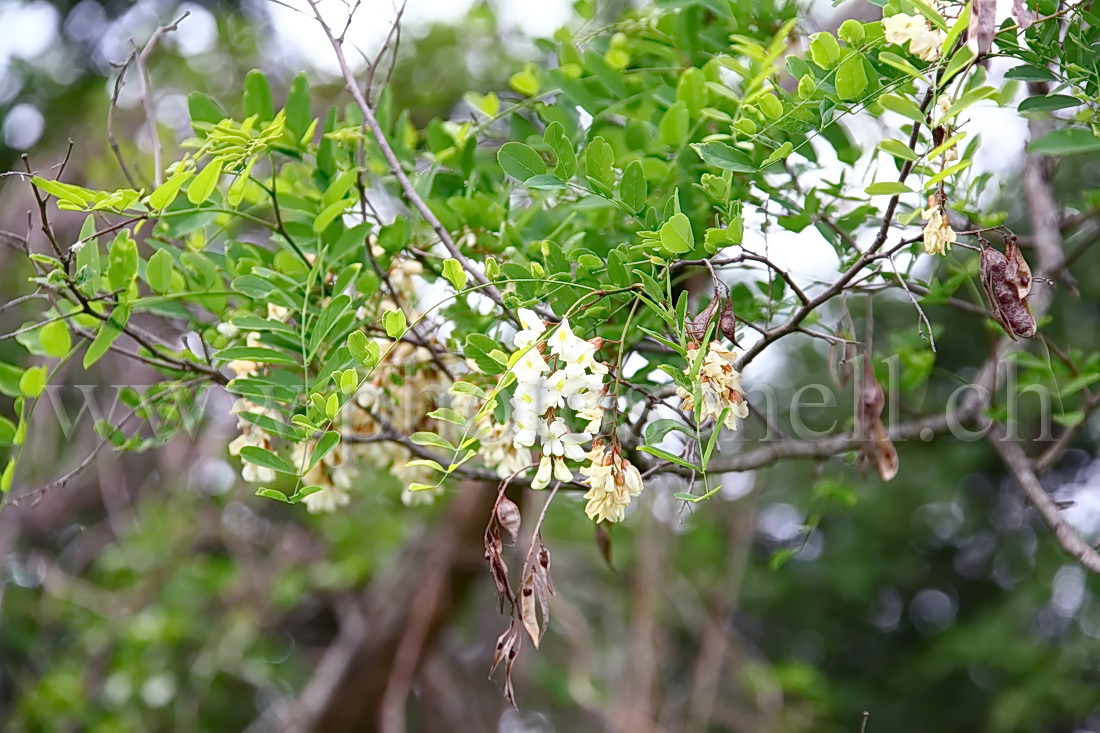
576,382
614,481
924,41
720,385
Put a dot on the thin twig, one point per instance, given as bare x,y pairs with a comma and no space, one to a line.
147,96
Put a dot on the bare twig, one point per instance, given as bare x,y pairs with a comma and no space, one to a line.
395,165
142,56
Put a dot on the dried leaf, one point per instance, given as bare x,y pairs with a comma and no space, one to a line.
508,516
983,25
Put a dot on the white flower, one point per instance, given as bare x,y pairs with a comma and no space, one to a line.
561,442
720,387
530,363
938,234
277,312
924,42
250,472
532,329
327,500
614,481
227,329
551,465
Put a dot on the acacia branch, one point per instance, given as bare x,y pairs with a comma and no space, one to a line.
395,165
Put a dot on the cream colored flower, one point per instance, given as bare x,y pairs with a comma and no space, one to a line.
614,481
924,42
720,387
334,474
938,234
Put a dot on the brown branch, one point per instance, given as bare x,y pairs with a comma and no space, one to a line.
395,165
1020,466
141,57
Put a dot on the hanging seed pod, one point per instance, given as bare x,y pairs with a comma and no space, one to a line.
697,328
1003,283
1018,272
983,25
727,321
1022,15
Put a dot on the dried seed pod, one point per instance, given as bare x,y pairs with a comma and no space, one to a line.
1018,272
697,328
983,25
509,517
727,322
1022,15
1003,284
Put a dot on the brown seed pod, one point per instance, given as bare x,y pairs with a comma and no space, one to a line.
727,322
1003,283
697,328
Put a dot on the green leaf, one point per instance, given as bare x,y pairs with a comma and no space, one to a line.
898,149
7,431
616,269
851,31
725,157
108,332
599,161
446,414
158,271
325,444
257,354
266,459
899,63
676,235
164,194
122,261
431,439
330,213
204,109
469,388
520,161
479,347
6,476
1065,141
851,77
1030,73
825,52
75,195
656,431
394,322
903,106
257,96
559,142
299,112
273,494
691,89
33,381
668,457
544,182
632,187
205,182
675,125
56,339
363,349
1049,103
454,273
887,188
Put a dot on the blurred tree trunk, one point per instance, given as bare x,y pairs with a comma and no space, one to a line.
369,669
